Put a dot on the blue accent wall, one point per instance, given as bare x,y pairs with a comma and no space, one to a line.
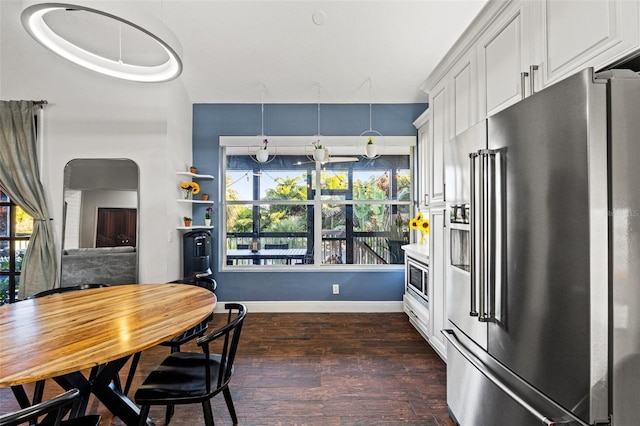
210,121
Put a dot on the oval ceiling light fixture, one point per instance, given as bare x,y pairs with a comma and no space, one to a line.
37,20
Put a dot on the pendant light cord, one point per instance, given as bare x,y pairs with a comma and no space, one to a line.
370,102
318,109
262,110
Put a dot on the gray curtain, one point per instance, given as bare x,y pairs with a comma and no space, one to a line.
20,179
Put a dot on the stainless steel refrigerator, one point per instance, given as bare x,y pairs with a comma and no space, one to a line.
543,274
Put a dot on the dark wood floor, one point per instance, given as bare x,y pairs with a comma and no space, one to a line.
317,369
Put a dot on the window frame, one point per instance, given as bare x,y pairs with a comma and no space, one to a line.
295,145
12,274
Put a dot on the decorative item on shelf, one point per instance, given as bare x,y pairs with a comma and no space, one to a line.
190,189
187,221
207,216
372,140
205,197
421,224
193,169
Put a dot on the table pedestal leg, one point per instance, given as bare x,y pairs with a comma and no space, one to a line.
103,388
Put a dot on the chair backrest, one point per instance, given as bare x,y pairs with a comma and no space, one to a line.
57,407
242,246
276,246
66,289
204,281
230,335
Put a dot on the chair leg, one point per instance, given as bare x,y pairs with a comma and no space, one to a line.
144,414
208,413
132,372
227,397
168,414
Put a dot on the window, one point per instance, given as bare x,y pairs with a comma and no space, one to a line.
298,211
16,228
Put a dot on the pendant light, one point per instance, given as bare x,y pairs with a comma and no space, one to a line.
168,68
320,151
372,141
264,151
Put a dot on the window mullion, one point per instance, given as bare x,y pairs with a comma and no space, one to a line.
317,217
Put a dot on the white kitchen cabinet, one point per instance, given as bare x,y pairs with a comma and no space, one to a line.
439,117
416,294
464,110
437,290
422,123
504,58
572,35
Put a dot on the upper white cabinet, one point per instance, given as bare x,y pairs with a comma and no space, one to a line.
522,46
576,34
504,54
439,114
463,94
422,123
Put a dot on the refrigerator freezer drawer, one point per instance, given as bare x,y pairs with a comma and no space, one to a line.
481,392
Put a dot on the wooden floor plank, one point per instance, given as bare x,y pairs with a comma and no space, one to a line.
316,369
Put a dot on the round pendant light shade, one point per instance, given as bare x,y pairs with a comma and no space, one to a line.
64,29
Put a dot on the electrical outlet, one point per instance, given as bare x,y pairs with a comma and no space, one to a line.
336,289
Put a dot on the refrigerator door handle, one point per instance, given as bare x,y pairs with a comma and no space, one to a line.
450,336
490,233
473,311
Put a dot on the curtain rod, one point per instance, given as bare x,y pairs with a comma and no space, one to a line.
41,102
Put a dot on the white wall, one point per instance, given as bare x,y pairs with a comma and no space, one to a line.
93,116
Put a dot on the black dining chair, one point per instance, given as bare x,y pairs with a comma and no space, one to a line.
58,290
194,377
175,343
51,413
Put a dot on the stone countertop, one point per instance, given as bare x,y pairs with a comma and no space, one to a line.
417,251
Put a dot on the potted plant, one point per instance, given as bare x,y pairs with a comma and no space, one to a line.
187,221
207,216
370,149
319,151
263,153
193,169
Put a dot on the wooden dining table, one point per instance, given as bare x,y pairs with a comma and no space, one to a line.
60,335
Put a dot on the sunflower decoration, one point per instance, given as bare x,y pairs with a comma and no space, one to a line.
421,224
190,188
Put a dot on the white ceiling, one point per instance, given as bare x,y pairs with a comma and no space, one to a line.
272,51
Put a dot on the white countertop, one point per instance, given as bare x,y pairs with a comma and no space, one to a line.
418,251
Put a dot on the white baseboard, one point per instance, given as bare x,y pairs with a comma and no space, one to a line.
319,306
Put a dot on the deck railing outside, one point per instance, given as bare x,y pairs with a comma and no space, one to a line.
368,248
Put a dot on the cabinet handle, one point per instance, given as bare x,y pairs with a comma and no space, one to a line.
523,77
532,79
